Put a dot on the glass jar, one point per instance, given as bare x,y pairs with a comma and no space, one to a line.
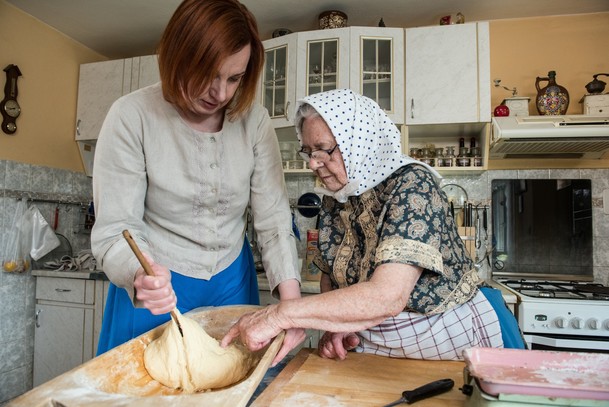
427,157
439,153
449,158
476,154
463,159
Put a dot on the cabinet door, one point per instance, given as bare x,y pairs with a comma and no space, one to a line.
59,340
278,84
446,76
144,72
99,85
323,61
377,67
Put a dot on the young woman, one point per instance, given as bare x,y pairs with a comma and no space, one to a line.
177,164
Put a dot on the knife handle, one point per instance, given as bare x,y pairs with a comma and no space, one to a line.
428,390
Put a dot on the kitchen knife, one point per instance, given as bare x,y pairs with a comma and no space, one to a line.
423,392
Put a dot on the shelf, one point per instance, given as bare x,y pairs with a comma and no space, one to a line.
305,171
443,135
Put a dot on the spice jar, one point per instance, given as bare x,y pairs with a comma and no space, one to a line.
463,159
427,157
476,154
449,158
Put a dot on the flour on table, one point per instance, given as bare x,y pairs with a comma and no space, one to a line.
196,361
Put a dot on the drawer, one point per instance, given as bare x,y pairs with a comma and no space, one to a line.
72,290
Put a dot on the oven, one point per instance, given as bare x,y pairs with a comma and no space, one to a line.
543,253
561,315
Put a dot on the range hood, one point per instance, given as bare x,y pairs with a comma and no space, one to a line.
570,136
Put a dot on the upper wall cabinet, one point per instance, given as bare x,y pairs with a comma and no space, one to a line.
377,67
367,60
448,74
278,83
99,85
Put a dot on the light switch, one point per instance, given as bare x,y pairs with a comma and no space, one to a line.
606,201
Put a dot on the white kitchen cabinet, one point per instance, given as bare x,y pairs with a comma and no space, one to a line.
369,60
377,67
448,74
69,312
278,83
99,85
323,61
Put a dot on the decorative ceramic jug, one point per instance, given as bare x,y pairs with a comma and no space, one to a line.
552,99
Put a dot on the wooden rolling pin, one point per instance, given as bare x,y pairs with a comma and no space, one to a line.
147,269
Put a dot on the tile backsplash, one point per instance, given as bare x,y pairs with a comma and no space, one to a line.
17,291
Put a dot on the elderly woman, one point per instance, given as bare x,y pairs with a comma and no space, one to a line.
397,280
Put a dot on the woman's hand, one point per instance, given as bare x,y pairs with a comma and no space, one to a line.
293,338
335,345
155,292
256,329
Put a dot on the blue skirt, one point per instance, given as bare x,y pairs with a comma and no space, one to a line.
510,332
237,284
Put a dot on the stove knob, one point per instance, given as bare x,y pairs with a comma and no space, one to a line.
560,322
593,323
606,324
577,323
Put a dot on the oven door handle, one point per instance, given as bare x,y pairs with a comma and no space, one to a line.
567,343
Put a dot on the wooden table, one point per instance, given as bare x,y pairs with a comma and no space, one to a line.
359,380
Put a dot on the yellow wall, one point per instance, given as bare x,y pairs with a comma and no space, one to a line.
521,49
573,46
49,62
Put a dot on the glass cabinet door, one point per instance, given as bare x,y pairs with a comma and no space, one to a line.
323,61
274,93
377,67
322,70
376,74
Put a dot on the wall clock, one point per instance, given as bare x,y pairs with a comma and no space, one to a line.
9,107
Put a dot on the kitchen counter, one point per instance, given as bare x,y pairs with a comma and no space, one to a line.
359,380
85,274
307,287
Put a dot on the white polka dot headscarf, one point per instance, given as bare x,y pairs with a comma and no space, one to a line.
368,140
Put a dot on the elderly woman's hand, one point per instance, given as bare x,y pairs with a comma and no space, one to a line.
335,345
256,329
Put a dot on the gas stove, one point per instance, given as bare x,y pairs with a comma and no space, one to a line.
561,315
566,290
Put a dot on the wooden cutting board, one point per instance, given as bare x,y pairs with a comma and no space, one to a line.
359,380
118,377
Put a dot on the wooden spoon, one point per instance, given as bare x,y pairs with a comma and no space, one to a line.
147,269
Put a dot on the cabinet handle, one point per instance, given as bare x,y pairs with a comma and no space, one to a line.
78,127
287,106
63,290
37,316
412,108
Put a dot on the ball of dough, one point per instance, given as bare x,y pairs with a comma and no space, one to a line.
196,361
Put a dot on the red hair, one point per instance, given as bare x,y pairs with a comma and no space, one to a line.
200,35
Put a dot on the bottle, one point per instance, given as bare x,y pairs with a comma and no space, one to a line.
552,99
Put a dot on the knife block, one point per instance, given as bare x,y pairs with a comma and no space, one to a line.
468,235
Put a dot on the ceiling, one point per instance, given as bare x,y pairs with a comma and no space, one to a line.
127,28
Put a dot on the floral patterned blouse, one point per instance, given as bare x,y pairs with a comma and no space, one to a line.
405,219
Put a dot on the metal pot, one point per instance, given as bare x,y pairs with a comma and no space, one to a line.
596,86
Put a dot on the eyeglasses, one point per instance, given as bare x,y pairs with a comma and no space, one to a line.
320,155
